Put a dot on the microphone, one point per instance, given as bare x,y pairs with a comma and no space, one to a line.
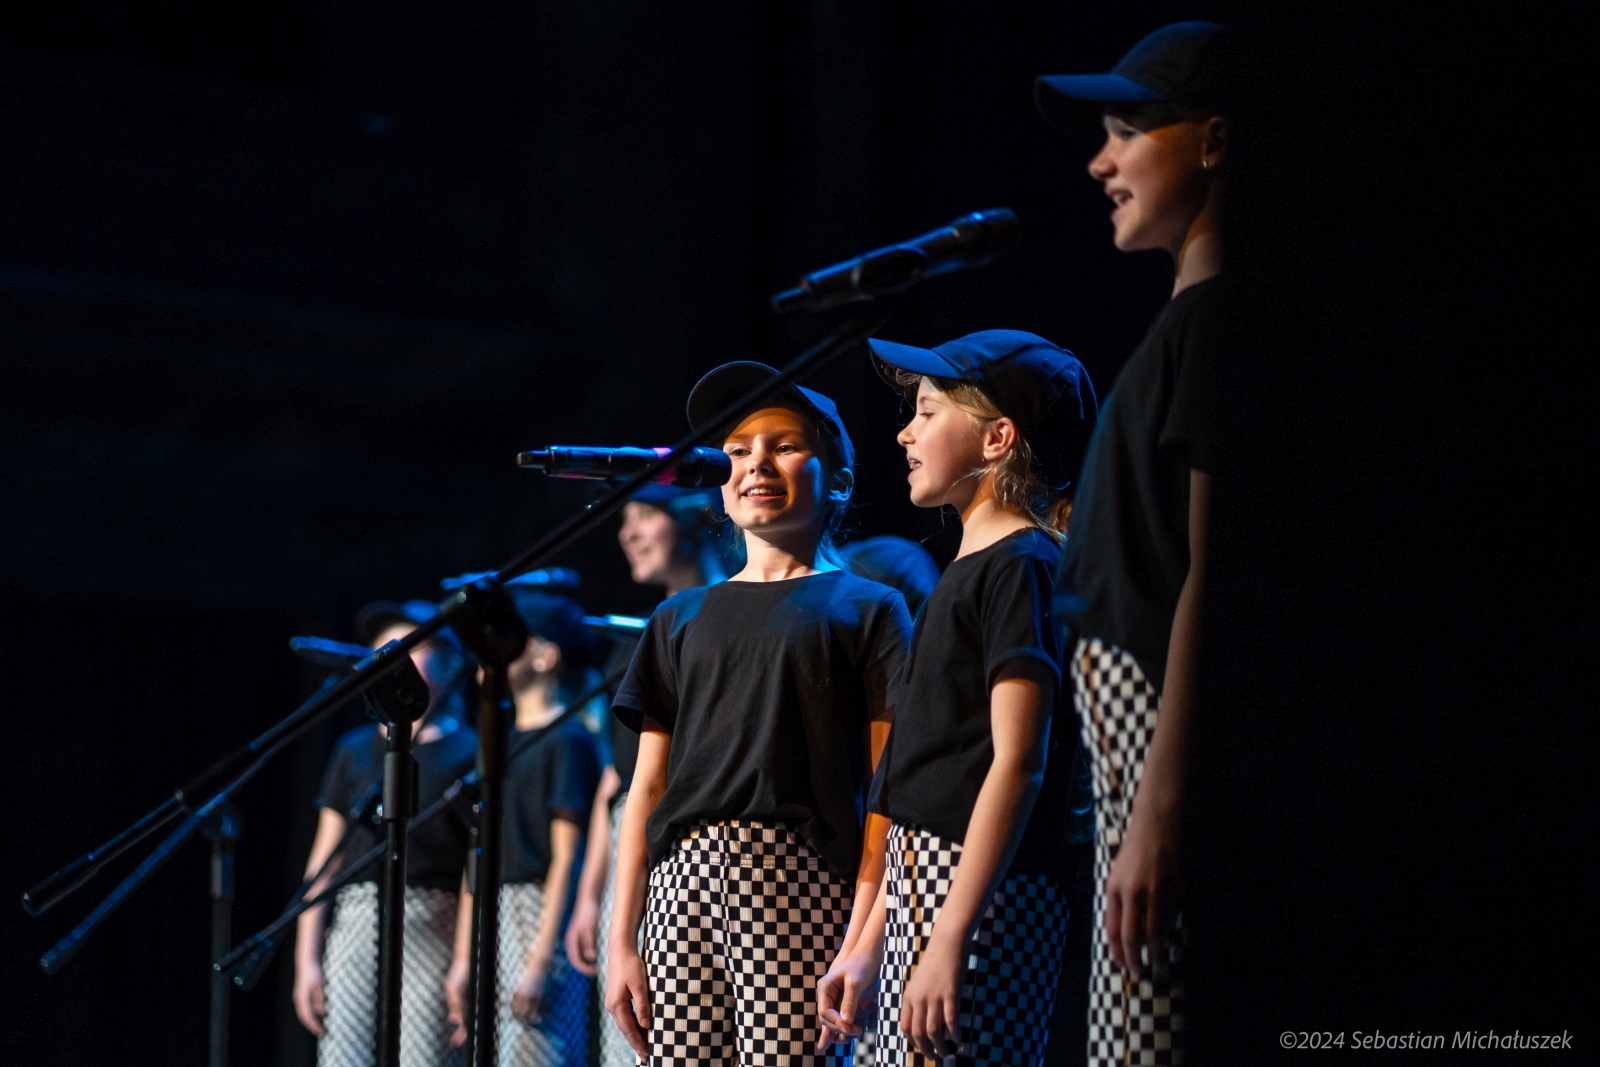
616,624
974,240
701,469
552,578
335,655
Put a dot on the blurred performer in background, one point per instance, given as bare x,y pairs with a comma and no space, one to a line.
1132,581
672,538
336,980
897,563
550,783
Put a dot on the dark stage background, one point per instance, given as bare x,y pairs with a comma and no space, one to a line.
284,288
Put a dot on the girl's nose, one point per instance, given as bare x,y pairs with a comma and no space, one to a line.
1101,167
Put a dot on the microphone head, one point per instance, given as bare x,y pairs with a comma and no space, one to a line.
974,240
334,655
549,578
991,233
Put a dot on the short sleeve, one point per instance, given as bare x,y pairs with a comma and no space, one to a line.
890,637
337,786
1190,426
577,774
1015,616
650,688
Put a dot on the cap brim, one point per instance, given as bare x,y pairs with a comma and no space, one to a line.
913,359
1072,102
377,617
656,494
727,383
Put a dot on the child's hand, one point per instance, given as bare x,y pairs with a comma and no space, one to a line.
310,996
929,1009
847,998
455,999
527,996
628,997
581,929
1137,889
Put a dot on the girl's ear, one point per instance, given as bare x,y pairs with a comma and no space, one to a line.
844,483
999,437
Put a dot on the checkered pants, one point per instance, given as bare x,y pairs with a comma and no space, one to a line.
1008,986
1134,1021
743,919
561,1038
614,1048
350,972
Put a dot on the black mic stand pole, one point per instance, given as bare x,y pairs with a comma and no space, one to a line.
401,697
489,625
223,829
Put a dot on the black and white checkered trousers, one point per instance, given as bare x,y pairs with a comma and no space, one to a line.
743,918
1136,1021
350,976
1013,962
561,1037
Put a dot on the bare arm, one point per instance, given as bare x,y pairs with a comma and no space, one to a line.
874,842
1019,725
455,981
851,974
627,987
309,995
527,997
581,932
1141,877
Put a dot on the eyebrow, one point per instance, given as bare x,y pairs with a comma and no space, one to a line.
796,432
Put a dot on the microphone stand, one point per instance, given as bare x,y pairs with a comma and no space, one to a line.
401,697
483,616
223,829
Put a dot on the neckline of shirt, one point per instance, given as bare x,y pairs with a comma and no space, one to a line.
781,581
987,548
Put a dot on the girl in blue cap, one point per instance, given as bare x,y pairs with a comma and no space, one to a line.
761,703
1134,577
966,937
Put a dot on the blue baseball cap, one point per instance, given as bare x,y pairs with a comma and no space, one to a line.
895,562
379,615
723,385
1037,384
1177,64
676,499
555,619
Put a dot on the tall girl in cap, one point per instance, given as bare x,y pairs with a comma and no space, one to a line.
550,782
1134,575
965,940
761,704
672,538
336,964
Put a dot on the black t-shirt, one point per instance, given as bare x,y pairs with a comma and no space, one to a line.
437,850
768,690
990,609
624,742
1127,552
556,773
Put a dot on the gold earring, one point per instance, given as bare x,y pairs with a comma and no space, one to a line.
1205,164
